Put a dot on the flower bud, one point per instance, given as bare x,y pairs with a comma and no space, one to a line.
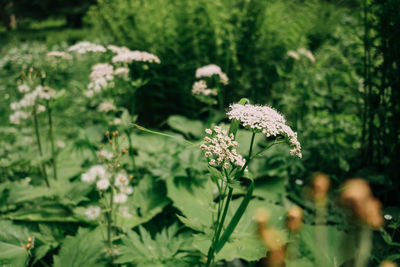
294,218
355,193
319,188
388,264
371,213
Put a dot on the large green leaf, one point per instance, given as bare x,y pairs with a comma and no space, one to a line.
195,201
186,126
338,246
149,198
13,240
84,249
166,249
244,242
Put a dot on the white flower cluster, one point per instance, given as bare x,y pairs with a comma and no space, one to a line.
106,107
118,49
100,77
85,47
94,173
17,116
59,54
301,52
122,72
200,88
129,56
266,120
210,70
29,100
92,212
220,149
103,181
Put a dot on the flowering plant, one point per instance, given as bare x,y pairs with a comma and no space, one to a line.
228,167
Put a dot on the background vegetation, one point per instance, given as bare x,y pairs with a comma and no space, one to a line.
342,97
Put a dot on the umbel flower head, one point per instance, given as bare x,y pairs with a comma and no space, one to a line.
266,120
220,149
210,70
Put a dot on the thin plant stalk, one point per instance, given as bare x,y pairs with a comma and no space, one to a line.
109,221
51,135
131,152
365,247
320,231
36,125
220,224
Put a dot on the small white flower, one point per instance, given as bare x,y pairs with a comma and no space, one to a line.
106,107
120,198
14,105
125,212
103,184
128,190
28,179
121,72
117,121
92,212
208,131
105,154
388,217
121,180
40,109
18,116
23,88
299,182
60,144
87,177
293,54
98,171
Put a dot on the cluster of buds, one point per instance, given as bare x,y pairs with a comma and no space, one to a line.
388,264
220,149
319,188
273,239
110,178
357,196
32,97
29,245
294,219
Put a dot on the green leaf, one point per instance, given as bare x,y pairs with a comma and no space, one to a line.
244,243
338,248
13,240
84,249
165,249
186,126
21,192
149,199
235,219
195,201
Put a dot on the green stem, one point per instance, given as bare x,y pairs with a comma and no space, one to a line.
109,221
131,152
210,255
36,124
320,231
51,135
365,247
